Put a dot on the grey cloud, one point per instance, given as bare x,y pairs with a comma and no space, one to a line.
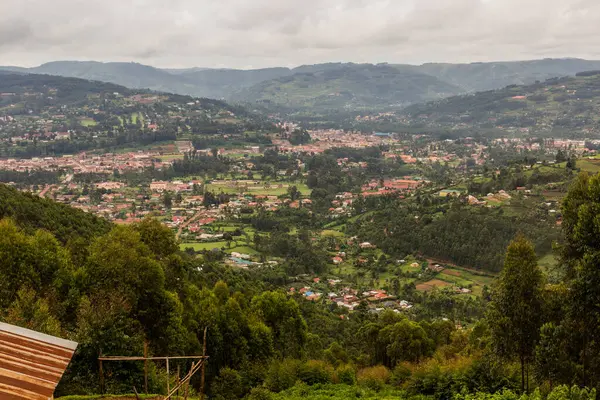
13,32
258,33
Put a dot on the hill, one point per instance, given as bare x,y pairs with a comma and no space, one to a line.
476,77
32,212
558,105
200,82
334,84
131,75
223,83
348,86
46,115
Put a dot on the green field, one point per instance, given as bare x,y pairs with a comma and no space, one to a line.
171,157
260,189
464,278
87,122
241,248
331,232
591,166
203,246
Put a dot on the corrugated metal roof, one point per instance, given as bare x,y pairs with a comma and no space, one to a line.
31,363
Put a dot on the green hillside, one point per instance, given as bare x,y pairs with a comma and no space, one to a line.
132,75
104,116
32,212
349,86
333,84
476,77
559,105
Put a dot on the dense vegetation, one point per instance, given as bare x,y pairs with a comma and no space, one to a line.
114,288
348,86
555,107
32,212
270,83
450,231
98,115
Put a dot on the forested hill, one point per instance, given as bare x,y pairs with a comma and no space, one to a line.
31,212
348,86
272,83
63,89
558,105
46,115
480,76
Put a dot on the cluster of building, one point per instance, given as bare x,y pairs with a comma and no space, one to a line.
349,298
87,163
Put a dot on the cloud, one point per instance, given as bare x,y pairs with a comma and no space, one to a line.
258,33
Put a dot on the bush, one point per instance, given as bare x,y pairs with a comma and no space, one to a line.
228,385
346,374
259,394
282,375
401,374
315,371
374,378
336,354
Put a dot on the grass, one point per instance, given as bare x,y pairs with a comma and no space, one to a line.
430,285
331,232
87,122
260,189
171,157
591,166
548,262
241,248
203,246
118,397
337,392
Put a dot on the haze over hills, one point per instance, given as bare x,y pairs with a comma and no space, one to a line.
339,85
556,106
349,86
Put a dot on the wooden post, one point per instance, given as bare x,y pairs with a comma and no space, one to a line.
178,380
146,367
101,371
203,365
137,396
168,377
187,385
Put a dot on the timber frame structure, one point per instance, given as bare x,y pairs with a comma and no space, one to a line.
196,366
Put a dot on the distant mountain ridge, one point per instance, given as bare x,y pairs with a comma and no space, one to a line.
341,85
557,106
348,86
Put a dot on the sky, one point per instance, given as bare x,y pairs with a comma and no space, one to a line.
265,33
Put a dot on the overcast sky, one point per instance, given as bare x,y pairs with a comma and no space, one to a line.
261,33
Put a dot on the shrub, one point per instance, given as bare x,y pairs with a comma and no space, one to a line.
346,374
315,371
259,394
336,354
228,385
374,378
401,374
282,375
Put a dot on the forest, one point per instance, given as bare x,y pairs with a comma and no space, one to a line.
114,288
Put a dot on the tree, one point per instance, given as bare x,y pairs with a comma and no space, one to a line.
167,199
228,385
159,238
294,193
283,316
32,313
515,310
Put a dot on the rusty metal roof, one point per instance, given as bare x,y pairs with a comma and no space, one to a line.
31,363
